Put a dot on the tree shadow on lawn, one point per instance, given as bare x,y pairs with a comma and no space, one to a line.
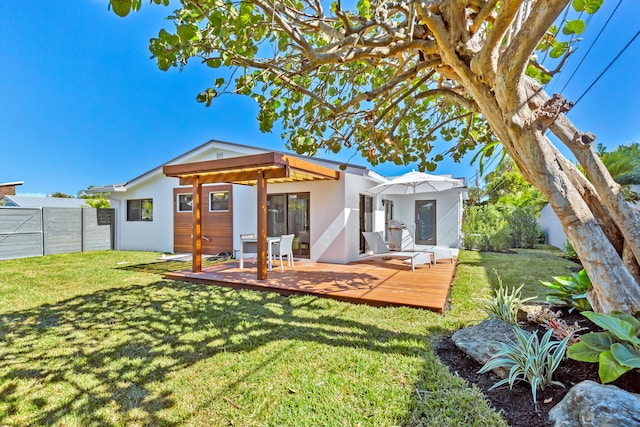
103,357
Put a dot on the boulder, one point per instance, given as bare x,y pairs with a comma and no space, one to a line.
480,342
589,404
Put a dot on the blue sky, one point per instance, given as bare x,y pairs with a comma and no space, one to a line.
82,104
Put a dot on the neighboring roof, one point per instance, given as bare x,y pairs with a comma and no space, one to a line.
44,202
11,184
198,151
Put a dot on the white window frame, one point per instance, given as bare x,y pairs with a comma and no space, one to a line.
178,202
228,200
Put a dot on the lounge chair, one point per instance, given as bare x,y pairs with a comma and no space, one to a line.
379,249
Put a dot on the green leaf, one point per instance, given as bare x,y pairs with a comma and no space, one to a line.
579,5
364,8
186,33
589,6
593,6
121,7
618,327
610,369
219,82
583,353
214,63
627,318
598,341
576,26
559,50
626,356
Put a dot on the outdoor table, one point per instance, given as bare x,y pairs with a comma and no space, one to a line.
270,241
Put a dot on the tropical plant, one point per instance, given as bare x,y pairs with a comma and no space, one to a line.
616,349
505,186
553,321
570,290
528,359
387,79
623,164
504,305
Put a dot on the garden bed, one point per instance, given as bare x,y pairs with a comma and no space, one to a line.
516,404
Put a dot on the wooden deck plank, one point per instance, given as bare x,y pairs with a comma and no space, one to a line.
378,283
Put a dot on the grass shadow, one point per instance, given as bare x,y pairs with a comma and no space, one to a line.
110,352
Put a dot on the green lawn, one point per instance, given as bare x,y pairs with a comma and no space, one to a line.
101,339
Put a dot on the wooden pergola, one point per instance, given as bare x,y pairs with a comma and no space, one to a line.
258,170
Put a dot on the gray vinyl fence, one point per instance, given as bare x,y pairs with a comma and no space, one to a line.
26,232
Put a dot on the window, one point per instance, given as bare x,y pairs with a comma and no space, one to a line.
185,202
219,201
140,210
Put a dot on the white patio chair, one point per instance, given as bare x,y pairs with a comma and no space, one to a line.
379,249
249,246
284,248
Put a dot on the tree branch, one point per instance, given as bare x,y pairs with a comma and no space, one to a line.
485,63
487,10
513,61
466,103
580,145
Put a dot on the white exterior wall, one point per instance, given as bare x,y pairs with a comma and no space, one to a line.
551,227
245,212
448,215
156,235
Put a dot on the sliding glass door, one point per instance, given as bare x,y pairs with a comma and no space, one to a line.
289,214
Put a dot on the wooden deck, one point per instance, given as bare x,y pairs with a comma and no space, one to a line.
377,283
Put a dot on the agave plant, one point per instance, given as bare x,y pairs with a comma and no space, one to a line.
504,305
529,359
570,291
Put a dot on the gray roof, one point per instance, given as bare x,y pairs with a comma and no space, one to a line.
351,168
44,202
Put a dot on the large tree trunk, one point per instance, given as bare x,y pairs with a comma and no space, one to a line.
597,235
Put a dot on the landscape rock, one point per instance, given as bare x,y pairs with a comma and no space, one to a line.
480,342
589,404
534,307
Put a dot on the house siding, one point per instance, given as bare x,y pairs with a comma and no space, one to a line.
217,227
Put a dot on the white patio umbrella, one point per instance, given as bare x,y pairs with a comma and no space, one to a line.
413,183
417,182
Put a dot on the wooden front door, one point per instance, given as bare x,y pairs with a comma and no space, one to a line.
217,219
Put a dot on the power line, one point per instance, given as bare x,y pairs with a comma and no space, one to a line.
607,68
591,46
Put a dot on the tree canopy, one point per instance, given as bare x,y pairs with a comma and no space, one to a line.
388,77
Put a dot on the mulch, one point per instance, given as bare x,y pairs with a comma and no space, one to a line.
516,404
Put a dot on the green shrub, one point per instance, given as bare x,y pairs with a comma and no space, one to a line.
504,305
570,291
485,228
529,359
525,230
499,240
617,349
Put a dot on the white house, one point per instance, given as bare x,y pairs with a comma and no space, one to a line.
153,211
